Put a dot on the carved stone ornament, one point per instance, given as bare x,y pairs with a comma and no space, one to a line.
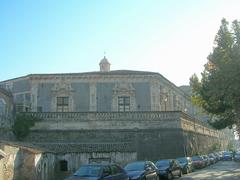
62,87
124,89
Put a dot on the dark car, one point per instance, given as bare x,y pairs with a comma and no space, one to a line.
237,156
142,170
206,160
168,168
227,156
198,162
186,164
213,158
99,172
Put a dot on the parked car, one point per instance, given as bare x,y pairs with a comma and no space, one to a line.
211,158
99,172
227,156
186,164
206,160
168,168
217,155
142,170
237,156
198,162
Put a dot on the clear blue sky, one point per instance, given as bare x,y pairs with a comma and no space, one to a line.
172,37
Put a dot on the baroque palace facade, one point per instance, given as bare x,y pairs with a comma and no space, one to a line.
114,116
103,91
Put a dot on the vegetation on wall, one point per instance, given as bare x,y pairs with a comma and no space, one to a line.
216,147
217,92
22,125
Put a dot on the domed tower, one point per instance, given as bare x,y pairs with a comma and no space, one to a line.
104,65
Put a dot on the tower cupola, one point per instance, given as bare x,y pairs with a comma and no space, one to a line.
104,65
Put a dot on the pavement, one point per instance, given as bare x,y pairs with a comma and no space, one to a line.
222,170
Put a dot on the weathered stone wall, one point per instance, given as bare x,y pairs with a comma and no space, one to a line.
6,115
6,134
154,134
6,109
17,165
201,144
24,163
118,137
151,144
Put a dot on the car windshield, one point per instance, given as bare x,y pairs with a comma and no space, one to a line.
195,158
182,160
227,154
88,171
136,166
163,163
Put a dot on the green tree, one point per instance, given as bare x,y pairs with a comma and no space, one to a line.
218,92
22,125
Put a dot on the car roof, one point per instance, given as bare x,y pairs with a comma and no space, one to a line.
99,164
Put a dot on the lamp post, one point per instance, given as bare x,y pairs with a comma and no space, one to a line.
185,110
165,103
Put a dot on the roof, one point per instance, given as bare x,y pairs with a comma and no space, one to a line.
2,153
104,60
71,147
114,72
86,148
105,73
24,146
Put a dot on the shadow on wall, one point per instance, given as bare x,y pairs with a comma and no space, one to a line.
24,166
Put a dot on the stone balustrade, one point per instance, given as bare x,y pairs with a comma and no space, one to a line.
194,125
121,120
80,116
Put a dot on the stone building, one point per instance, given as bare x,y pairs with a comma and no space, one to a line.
102,91
6,114
24,161
116,116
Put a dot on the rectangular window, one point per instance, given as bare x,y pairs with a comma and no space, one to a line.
19,107
123,103
62,104
39,109
63,165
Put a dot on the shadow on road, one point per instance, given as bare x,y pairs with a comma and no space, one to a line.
223,170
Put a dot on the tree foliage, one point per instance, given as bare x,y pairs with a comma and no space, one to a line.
218,91
22,125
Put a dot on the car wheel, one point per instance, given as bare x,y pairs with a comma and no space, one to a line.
169,176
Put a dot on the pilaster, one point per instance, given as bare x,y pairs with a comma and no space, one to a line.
93,97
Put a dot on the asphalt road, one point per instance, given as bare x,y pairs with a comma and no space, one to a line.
222,170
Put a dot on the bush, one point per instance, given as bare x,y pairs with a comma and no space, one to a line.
22,125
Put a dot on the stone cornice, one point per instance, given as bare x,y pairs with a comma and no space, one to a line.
112,76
